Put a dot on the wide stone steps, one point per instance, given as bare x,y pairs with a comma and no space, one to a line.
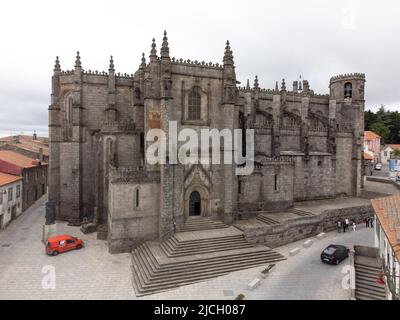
366,286
201,223
301,213
150,276
175,248
266,219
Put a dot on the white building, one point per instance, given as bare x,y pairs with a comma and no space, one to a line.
386,152
10,198
387,239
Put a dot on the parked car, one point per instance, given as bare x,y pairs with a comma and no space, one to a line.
62,243
378,166
334,254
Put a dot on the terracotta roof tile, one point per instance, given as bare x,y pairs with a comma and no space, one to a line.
370,135
18,159
6,178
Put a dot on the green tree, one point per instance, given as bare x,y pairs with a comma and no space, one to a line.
381,129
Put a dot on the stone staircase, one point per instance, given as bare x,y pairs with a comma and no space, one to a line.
366,286
196,223
187,258
263,218
301,213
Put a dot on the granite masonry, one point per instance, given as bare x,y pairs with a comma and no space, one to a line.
307,146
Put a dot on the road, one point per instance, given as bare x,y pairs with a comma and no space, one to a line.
93,273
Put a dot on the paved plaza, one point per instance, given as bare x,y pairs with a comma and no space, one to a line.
93,273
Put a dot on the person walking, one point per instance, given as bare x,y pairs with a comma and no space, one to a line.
344,226
371,222
339,226
366,222
354,226
347,223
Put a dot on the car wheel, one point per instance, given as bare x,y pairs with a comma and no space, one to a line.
78,247
55,253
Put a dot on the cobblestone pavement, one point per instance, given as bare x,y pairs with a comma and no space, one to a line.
89,273
93,273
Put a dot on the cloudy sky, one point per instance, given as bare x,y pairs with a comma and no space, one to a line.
271,39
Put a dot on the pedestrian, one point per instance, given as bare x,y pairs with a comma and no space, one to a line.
371,222
366,222
354,226
347,223
344,226
339,226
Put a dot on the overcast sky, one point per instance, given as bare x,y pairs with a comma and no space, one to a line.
271,39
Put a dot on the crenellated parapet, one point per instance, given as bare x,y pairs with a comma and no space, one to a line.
348,76
132,175
197,63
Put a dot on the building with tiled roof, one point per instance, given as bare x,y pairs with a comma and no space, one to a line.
33,173
10,198
387,239
372,144
387,150
31,146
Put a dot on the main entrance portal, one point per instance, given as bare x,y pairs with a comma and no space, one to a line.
194,204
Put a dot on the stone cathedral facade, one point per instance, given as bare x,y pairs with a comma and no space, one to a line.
307,145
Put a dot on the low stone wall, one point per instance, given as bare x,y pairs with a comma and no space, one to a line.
304,227
366,251
384,180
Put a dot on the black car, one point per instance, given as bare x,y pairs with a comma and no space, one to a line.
334,254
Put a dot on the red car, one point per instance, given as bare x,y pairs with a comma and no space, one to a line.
62,243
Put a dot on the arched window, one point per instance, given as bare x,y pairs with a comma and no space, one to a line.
314,124
69,109
348,90
194,105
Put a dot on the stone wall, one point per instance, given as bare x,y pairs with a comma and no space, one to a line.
304,227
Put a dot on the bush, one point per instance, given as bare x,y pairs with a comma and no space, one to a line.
240,296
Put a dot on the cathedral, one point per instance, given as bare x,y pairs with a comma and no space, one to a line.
306,145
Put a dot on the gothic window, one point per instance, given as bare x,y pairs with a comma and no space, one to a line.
348,90
69,110
194,105
314,124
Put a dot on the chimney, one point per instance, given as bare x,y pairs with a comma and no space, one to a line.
41,155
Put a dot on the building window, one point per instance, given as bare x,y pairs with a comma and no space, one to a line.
385,153
69,109
1,196
27,177
18,191
348,90
137,198
240,187
194,105
10,194
276,182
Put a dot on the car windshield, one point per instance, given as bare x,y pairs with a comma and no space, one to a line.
330,250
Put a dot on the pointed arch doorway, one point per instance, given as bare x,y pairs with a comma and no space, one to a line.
194,204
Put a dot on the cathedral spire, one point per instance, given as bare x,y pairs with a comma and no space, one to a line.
57,67
283,85
78,63
111,67
153,52
256,86
248,85
164,47
228,57
276,86
143,64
